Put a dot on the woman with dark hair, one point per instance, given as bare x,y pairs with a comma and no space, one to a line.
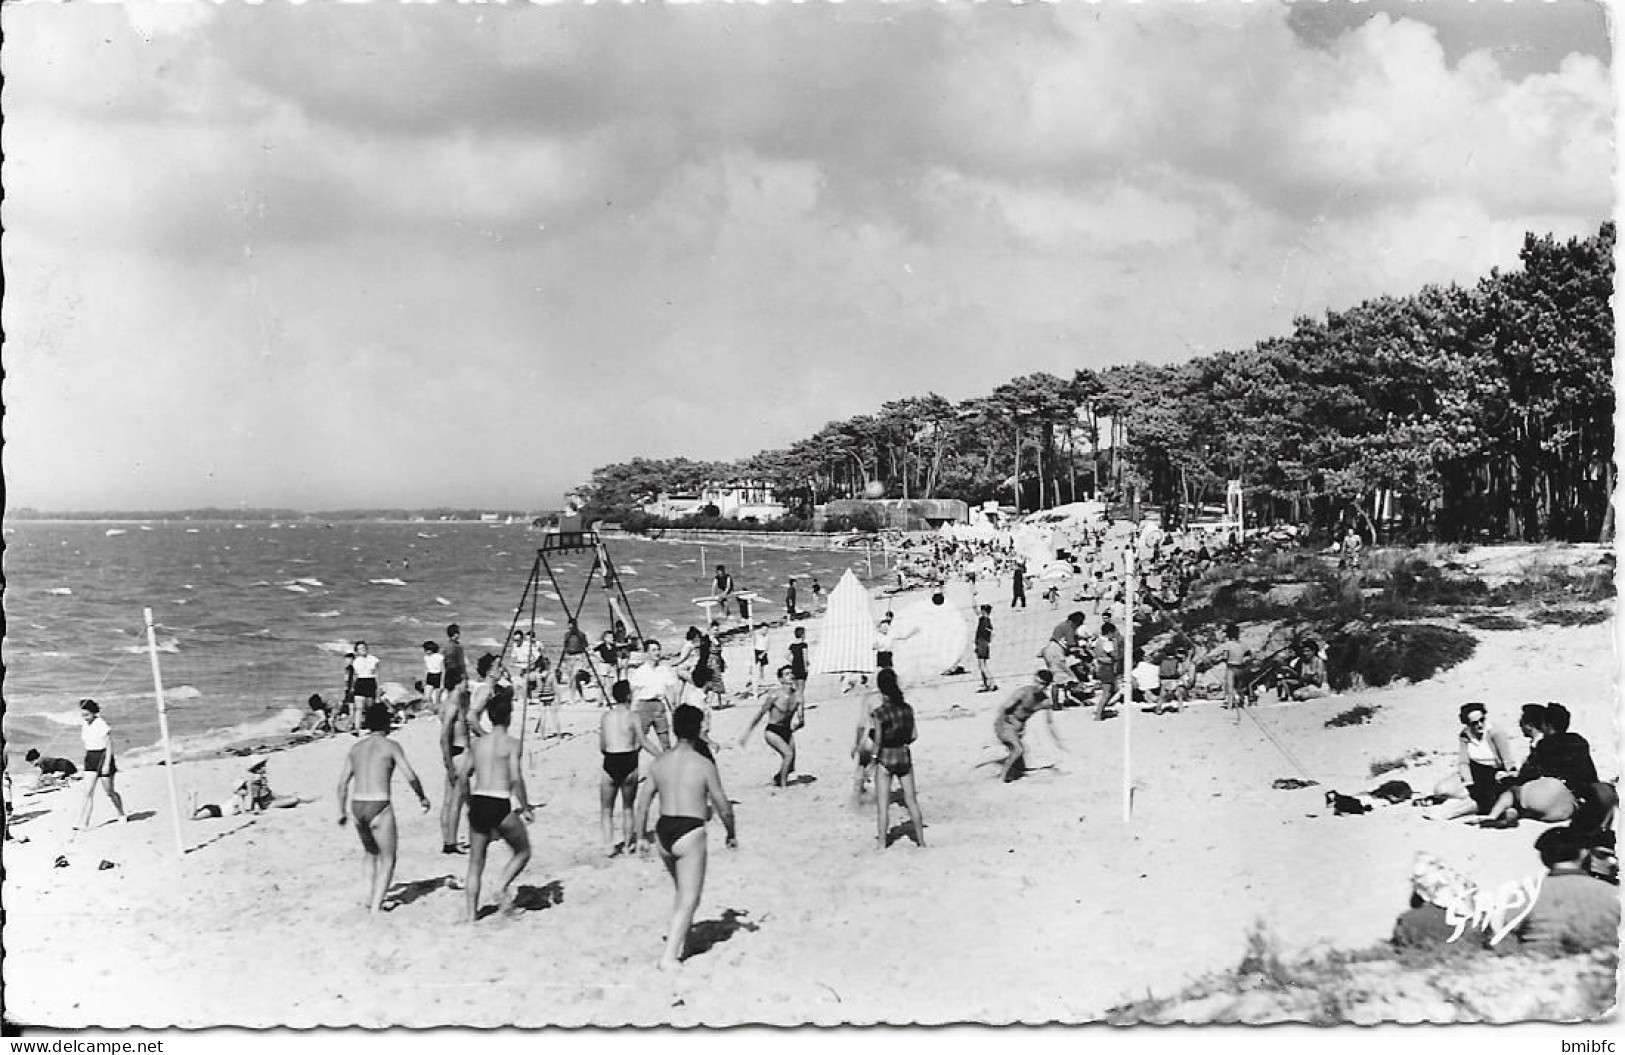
99,763
1484,765
892,730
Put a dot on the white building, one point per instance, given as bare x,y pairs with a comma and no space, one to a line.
739,499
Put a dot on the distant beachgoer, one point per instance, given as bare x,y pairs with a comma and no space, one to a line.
790,599
100,764
456,664
1052,595
254,794
52,771
608,655
782,709
454,739
711,659
817,591
798,664
1108,656
574,658
498,782
1010,722
1172,690
984,646
892,725
347,717
688,786
318,720
371,764
366,677
1234,655
759,647
434,672
883,643
1018,585
618,743
723,587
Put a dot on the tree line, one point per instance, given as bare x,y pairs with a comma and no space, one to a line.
1454,413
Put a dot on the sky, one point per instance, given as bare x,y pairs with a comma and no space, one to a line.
357,255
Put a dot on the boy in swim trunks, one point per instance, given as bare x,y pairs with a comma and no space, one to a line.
783,710
688,785
497,783
1011,721
371,764
618,742
892,727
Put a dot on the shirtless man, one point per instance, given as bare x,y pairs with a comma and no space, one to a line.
1011,721
454,758
618,743
371,763
479,697
782,708
498,783
685,781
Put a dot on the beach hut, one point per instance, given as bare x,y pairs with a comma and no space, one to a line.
845,643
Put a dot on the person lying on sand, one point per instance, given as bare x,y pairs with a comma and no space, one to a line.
53,772
371,765
688,786
498,783
1010,722
254,794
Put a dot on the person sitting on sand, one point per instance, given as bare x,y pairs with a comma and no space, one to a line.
1010,722
497,783
782,708
1305,676
254,794
1172,685
318,720
53,772
371,765
688,786
618,744
892,730
100,765
1484,765
1440,896
1557,772
1575,912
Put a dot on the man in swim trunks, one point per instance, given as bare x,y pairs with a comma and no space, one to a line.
688,785
1011,721
454,737
618,743
782,709
371,764
498,782
456,663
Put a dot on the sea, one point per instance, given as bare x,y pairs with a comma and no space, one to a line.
252,617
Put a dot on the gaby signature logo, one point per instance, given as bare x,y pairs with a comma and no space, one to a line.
1495,912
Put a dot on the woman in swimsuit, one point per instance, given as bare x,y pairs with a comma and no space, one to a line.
892,729
1011,720
618,742
781,706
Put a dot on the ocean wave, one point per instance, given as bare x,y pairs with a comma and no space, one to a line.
310,582
52,655
216,739
69,718
334,614
60,591
294,587
486,642
167,644
629,571
387,582
111,532
441,600
336,647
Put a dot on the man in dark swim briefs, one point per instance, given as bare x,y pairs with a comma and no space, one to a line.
618,743
498,782
688,785
782,708
371,764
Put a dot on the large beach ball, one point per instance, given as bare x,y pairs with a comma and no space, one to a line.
873,489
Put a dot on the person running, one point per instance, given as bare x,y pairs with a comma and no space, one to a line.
892,729
498,782
454,738
618,743
783,710
366,679
984,647
688,786
434,672
100,765
1010,722
798,664
371,764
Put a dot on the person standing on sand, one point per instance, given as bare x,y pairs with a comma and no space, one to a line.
790,599
100,766
347,717
498,784
655,689
892,729
759,647
723,587
688,786
883,643
371,765
1011,722
454,737
984,646
434,672
574,659
479,696
618,743
366,680
1058,653
1234,655
456,663
782,709
1018,585
798,666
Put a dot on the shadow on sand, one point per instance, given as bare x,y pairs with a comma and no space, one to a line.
707,934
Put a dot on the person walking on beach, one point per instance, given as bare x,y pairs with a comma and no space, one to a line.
984,647
498,783
688,786
371,764
454,738
655,689
100,765
892,725
618,744
366,679
798,665
1108,655
782,709
1010,722
1018,585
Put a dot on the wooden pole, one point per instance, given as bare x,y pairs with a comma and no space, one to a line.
1128,683
163,731
702,562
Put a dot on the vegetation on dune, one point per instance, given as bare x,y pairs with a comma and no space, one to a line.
1359,714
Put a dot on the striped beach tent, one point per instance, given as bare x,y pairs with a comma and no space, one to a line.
845,642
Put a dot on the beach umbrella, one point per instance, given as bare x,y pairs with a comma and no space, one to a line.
845,643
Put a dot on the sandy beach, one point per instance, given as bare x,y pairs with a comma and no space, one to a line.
1035,902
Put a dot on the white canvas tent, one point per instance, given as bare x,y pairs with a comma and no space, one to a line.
845,643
